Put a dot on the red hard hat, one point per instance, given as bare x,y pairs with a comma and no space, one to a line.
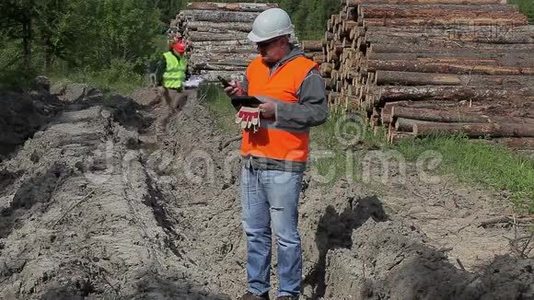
179,47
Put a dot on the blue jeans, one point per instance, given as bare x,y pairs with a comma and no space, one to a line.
270,198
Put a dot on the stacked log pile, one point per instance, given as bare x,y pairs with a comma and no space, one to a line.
217,34
418,67
313,49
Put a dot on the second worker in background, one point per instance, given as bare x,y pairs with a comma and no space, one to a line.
169,76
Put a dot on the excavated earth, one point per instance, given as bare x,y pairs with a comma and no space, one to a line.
93,205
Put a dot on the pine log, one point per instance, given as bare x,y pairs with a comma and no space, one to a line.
318,58
455,32
217,57
326,68
453,29
220,66
328,83
218,16
311,45
349,25
417,78
505,20
406,125
387,109
244,7
526,121
203,26
444,66
435,115
353,3
425,47
478,57
218,44
230,49
433,10
450,93
474,129
198,36
511,37
211,75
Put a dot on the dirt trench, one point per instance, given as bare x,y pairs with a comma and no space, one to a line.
94,206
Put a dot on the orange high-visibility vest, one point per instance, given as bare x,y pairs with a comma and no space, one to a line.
283,84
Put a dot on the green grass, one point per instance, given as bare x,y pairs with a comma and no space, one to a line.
118,77
336,146
219,105
526,7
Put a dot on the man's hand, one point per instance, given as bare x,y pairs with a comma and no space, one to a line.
235,89
268,110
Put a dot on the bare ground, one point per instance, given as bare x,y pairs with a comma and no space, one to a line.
93,206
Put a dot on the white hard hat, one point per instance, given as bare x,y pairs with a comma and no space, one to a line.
269,24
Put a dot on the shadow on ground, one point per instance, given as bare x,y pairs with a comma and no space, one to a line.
335,231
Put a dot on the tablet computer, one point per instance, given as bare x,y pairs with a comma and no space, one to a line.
245,101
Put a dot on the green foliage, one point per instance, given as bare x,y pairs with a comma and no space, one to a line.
310,16
219,105
109,40
526,7
103,37
170,8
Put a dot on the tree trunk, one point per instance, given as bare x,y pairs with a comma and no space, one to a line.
243,7
453,29
207,26
231,49
197,36
456,66
451,93
216,44
311,45
215,57
221,64
504,20
417,78
211,75
511,37
407,125
429,47
478,57
435,115
219,16
475,129
326,69
353,3
429,11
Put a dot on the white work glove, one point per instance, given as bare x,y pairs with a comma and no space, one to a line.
248,118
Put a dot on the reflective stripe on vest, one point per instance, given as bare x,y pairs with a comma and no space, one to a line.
283,84
175,72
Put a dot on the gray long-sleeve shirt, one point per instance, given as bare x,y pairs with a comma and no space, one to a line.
310,110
